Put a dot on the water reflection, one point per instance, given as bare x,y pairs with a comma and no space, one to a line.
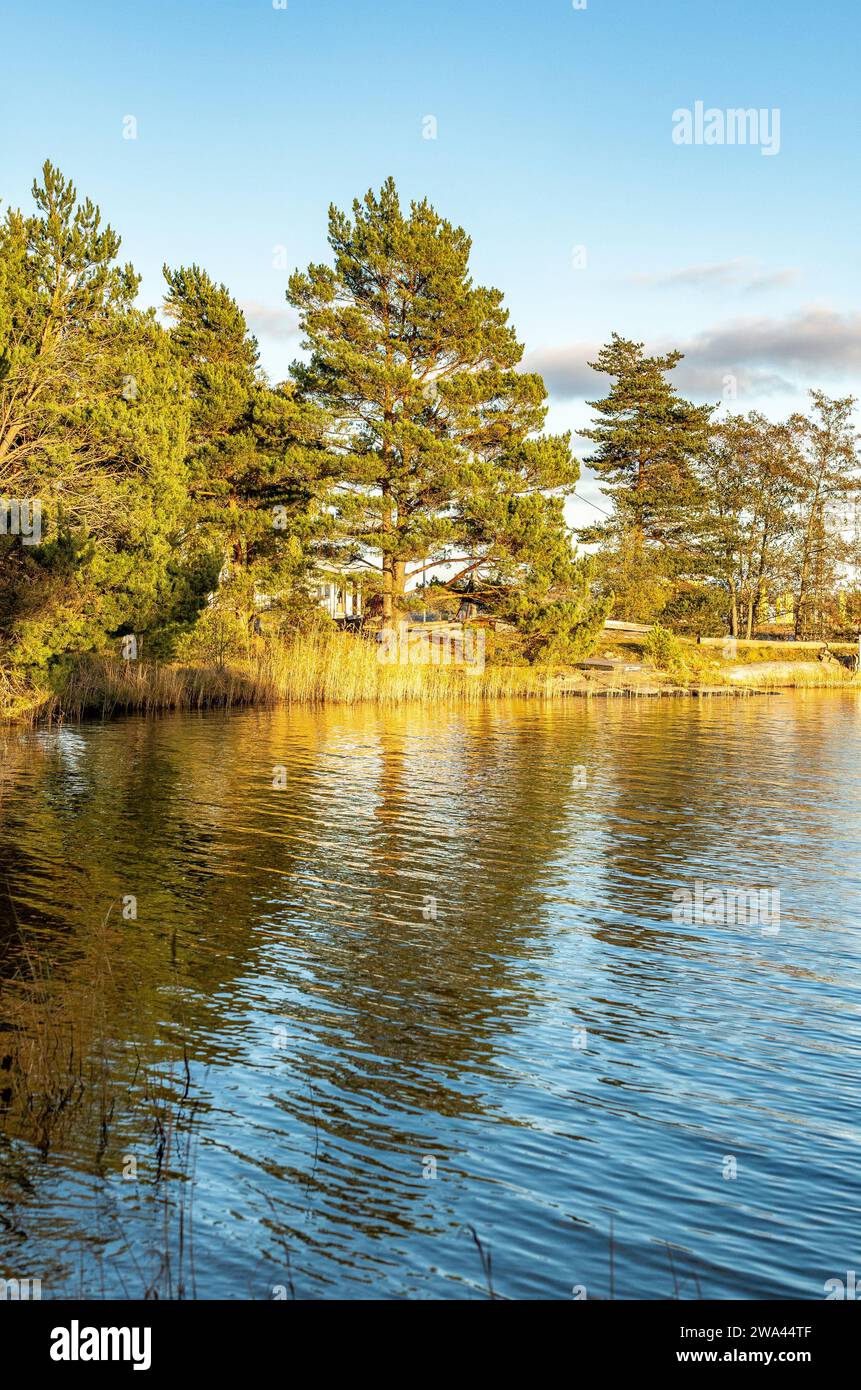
290,1005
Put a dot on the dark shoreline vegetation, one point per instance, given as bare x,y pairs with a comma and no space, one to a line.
167,514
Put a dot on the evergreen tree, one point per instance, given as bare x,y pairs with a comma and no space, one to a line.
435,429
256,466
59,281
93,428
648,440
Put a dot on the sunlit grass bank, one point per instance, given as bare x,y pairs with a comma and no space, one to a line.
335,667
739,666
313,669
792,675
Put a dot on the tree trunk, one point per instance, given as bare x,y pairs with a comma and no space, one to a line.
751,607
760,574
388,561
805,568
399,575
387,590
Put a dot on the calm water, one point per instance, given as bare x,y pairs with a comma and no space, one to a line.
445,945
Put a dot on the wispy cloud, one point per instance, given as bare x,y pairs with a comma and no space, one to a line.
766,356
270,321
566,371
741,274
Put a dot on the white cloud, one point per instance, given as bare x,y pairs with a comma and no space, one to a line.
268,321
767,356
741,274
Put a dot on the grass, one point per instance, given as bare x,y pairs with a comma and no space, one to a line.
692,665
328,666
745,653
17,699
318,668
805,676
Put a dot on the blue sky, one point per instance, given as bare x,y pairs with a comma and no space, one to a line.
554,131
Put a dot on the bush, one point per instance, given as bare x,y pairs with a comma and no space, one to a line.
663,649
680,660
217,637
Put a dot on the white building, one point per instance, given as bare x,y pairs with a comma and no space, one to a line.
337,589
339,592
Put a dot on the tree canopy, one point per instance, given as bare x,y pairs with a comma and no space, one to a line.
174,484
437,432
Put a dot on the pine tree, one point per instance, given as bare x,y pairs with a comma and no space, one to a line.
435,429
648,439
59,281
93,426
256,469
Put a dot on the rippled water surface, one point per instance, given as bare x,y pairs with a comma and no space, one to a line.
304,1039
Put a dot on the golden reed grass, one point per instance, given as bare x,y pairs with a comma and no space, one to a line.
313,669
323,668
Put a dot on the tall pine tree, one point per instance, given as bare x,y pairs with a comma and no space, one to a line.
648,440
256,465
435,429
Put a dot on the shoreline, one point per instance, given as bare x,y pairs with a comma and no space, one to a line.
155,689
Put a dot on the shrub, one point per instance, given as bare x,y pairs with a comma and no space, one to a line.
663,649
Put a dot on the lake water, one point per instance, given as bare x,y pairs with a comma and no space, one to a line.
307,1038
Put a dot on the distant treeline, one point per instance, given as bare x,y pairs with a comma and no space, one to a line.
724,523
